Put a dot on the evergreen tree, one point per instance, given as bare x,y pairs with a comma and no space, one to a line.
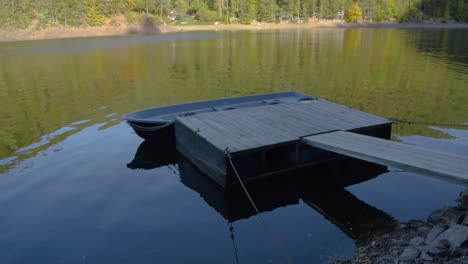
94,17
447,12
268,11
460,12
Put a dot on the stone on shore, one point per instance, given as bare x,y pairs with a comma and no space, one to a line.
456,236
446,216
434,233
409,254
463,199
417,241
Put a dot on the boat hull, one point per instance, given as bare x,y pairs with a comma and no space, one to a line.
152,122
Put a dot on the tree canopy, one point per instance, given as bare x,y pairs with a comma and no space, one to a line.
43,13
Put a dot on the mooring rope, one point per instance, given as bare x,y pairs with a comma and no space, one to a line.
267,228
231,229
427,123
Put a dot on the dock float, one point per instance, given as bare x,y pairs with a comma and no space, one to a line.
275,138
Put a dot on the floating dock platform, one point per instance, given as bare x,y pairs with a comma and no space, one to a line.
276,138
266,140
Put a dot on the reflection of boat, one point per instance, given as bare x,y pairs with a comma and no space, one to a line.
149,122
156,152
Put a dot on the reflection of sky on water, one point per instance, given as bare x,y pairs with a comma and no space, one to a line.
87,193
457,144
83,201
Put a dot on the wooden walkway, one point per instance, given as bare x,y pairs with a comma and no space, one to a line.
393,154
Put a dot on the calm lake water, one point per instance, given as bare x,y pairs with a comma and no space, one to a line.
78,186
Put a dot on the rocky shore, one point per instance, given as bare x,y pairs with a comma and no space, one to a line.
443,238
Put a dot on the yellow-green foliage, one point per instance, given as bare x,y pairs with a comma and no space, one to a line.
354,13
20,13
94,17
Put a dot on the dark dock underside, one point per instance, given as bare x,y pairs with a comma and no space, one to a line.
265,140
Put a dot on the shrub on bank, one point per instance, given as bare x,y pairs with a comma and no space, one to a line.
354,13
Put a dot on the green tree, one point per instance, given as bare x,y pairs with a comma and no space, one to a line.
204,14
94,17
269,11
447,12
353,13
460,12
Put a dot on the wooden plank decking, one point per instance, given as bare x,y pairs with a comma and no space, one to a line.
266,139
251,128
391,153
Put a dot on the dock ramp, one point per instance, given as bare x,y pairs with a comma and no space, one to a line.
394,154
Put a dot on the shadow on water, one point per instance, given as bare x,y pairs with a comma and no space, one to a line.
321,187
147,27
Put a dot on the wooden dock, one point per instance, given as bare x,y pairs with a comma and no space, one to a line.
391,153
266,140
275,138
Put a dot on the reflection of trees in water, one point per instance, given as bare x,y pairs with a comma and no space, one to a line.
446,45
378,71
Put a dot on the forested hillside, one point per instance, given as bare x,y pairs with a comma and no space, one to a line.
44,13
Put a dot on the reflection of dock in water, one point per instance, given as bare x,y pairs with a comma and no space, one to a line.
322,188
328,197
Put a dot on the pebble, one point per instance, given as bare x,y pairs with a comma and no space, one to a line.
417,241
410,253
425,257
424,229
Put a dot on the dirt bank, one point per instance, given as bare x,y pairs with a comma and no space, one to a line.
79,32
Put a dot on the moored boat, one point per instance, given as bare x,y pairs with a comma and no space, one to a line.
153,121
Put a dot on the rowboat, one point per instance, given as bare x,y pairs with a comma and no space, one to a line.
150,122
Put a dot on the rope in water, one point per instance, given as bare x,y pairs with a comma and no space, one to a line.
231,229
427,123
264,223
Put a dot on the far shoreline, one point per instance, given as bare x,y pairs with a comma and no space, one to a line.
108,31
